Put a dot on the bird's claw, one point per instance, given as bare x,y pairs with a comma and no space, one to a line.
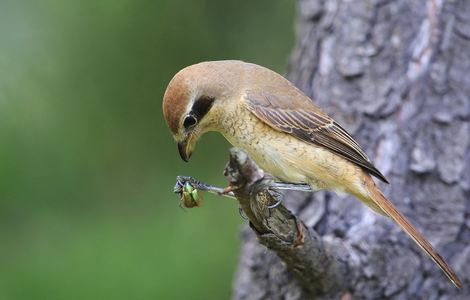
228,189
275,204
242,214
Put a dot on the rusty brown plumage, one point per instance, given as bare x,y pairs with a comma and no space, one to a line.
173,106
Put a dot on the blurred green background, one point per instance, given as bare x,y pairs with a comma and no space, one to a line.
87,165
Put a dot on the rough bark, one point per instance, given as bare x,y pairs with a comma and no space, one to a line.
320,267
395,74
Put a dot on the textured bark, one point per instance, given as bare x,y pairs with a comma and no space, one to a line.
395,74
317,265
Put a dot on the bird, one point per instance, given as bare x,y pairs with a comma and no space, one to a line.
282,130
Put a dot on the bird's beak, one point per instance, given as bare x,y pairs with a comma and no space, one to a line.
185,153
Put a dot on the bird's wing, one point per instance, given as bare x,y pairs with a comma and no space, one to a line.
294,113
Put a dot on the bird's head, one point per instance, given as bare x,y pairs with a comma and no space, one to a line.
192,101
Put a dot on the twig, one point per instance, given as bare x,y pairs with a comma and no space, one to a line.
181,180
276,186
314,263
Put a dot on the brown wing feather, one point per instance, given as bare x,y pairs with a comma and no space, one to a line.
296,114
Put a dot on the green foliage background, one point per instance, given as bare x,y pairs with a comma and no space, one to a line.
87,165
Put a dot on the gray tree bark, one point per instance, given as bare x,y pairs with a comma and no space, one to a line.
395,74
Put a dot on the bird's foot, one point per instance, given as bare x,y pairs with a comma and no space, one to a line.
275,204
229,189
242,214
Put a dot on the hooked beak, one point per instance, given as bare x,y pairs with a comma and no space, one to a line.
183,150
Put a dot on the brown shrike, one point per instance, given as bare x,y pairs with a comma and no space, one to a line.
281,128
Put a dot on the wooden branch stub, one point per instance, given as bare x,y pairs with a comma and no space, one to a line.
278,229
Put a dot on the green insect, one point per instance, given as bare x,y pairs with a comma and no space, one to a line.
190,196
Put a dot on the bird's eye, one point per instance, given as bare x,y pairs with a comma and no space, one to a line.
189,121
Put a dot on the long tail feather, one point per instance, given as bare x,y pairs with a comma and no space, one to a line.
419,239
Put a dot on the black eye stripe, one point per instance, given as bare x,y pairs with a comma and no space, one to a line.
202,106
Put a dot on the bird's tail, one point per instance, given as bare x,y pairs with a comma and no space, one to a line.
390,210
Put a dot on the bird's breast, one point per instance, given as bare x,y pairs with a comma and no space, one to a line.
283,155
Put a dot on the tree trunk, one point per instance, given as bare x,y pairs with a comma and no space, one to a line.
395,74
